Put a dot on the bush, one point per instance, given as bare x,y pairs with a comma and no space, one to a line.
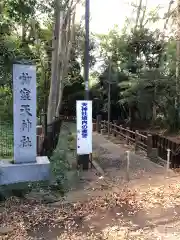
6,103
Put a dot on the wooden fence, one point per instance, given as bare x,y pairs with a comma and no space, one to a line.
155,145
162,144
140,141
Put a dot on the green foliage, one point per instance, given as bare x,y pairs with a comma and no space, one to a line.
23,38
20,11
60,165
6,112
6,139
63,157
145,85
143,64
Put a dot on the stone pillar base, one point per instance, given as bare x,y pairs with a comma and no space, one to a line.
11,173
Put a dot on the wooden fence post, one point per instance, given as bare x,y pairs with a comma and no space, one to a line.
127,135
136,140
98,123
39,137
106,126
149,145
114,132
94,126
110,128
120,131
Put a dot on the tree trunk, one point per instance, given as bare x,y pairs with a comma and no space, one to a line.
138,14
54,65
23,33
177,63
60,56
65,62
143,16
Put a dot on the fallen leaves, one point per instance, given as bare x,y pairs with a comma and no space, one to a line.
25,216
111,216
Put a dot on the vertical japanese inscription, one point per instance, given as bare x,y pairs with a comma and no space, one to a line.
24,82
25,110
84,120
84,127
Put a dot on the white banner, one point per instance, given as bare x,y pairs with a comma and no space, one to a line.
84,127
24,101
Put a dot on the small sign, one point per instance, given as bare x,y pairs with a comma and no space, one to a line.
84,127
24,102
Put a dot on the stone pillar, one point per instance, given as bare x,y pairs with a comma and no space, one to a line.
26,165
24,102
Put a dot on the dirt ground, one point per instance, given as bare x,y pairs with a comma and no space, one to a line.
146,205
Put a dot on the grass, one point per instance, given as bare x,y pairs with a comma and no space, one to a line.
64,156
6,140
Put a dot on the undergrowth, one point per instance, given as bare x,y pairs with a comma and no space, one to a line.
64,156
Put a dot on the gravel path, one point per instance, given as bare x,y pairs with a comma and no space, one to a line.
112,158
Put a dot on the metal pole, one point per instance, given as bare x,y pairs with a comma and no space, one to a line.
86,57
109,98
45,103
177,62
84,159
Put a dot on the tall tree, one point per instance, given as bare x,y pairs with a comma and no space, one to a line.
177,98
63,36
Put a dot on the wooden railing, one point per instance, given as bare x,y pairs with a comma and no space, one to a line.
140,141
156,146
68,118
153,144
162,144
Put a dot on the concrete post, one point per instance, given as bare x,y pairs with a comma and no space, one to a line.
168,159
128,164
